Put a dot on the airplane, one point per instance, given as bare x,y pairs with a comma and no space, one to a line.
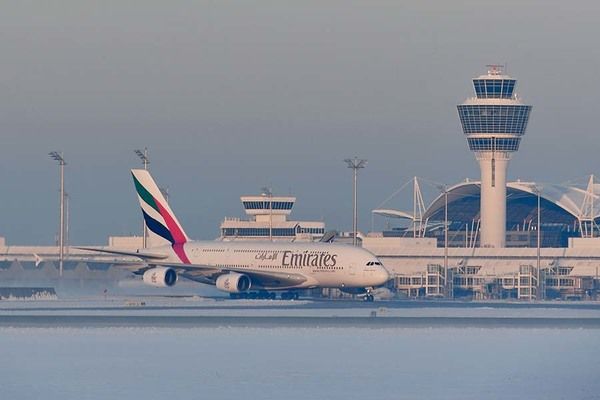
239,267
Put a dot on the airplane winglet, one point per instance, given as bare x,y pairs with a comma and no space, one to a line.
38,260
137,253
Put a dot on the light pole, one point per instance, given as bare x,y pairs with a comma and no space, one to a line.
143,155
165,193
61,241
355,164
268,192
67,218
538,191
446,239
444,189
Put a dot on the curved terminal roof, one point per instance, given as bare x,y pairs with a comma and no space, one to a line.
390,213
560,203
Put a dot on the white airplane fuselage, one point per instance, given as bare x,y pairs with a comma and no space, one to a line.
322,264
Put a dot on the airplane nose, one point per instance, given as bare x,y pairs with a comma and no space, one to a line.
382,275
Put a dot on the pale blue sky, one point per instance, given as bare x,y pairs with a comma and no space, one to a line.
232,96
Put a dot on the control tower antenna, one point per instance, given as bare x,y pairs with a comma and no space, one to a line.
493,122
495,69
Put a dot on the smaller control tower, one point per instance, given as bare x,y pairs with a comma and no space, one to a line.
494,122
268,220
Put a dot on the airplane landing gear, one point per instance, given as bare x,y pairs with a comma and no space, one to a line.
368,297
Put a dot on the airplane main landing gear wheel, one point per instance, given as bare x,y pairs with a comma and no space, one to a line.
369,295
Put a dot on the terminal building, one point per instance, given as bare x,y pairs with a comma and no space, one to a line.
267,219
490,239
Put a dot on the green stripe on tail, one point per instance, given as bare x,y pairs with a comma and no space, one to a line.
144,194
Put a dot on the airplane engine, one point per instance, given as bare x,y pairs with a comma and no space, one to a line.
160,277
233,282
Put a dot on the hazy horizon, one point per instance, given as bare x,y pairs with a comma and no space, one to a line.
233,96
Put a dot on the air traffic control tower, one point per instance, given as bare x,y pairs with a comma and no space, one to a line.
493,122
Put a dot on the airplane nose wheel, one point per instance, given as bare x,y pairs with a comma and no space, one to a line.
369,296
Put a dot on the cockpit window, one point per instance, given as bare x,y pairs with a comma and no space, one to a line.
373,263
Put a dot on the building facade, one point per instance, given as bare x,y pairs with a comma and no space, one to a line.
420,268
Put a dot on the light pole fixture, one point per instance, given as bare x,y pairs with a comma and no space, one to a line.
356,164
143,155
55,155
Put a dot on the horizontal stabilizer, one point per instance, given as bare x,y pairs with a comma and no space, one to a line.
328,237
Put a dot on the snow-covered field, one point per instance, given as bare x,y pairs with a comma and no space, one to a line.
72,349
306,363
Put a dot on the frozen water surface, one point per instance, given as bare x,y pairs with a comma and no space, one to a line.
304,363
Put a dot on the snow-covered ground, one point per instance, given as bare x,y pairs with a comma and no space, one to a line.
66,354
305,363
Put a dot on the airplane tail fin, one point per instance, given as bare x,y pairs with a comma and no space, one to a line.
161,221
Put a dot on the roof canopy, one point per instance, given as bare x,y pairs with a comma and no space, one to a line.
559,203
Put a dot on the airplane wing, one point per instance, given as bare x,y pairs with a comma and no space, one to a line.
140,254
201,273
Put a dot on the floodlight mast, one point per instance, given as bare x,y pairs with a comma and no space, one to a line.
355,164
446,240
540,288
143,155
444,189
55,155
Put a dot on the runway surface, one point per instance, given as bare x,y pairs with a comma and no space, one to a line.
290,322
186,312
